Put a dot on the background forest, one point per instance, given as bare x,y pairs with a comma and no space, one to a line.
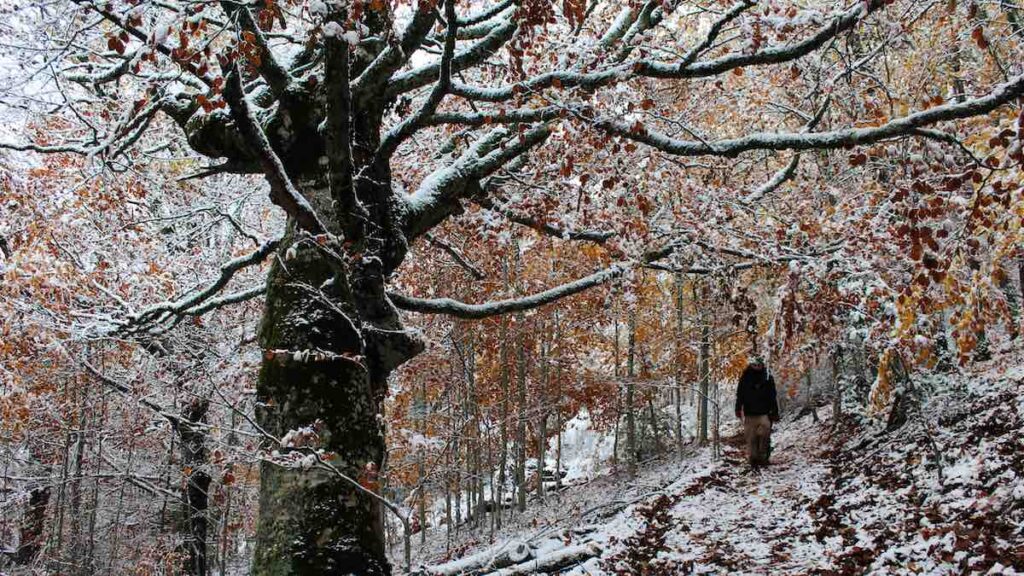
607,208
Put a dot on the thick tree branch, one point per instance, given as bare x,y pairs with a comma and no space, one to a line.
394,138
478,311
338,139
467,58
276,76
439,194
394,56
905,126
519,116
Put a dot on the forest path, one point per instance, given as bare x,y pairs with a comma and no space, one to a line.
741,521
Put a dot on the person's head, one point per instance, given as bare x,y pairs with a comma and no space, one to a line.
757,363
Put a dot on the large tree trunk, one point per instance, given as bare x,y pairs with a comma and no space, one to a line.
325,366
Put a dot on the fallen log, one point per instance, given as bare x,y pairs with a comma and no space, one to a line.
481,562
553,562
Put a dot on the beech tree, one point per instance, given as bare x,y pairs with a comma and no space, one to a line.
326,101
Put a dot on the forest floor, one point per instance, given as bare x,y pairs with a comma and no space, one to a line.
941,494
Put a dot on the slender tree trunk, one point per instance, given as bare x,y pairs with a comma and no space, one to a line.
837,386
655,433
521,407
420,472
811,400
542,416
630,393
197,485
1013,303
678,372
705,381
618,395
229,491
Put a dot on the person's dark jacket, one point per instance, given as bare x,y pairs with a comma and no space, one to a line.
755,395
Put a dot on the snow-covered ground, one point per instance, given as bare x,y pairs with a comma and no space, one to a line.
857,500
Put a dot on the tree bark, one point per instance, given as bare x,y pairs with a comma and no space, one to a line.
325,365
705,381
197,486
678,372
30,541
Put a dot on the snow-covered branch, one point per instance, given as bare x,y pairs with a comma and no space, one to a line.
476,311
905,126
200,302
678,70
438,195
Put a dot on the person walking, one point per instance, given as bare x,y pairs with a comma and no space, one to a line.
758,407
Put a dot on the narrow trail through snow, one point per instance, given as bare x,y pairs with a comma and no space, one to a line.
742,521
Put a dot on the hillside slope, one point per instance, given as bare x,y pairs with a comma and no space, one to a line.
941,494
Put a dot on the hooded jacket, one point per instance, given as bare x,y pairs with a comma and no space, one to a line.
755,394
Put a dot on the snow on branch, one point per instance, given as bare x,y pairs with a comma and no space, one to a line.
487,13
475,54
782,176
396,55
200,302
477,311
438,195
394,138
481,118
905,126
145,38
684,68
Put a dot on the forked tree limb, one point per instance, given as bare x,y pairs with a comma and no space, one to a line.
282,191
681,69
